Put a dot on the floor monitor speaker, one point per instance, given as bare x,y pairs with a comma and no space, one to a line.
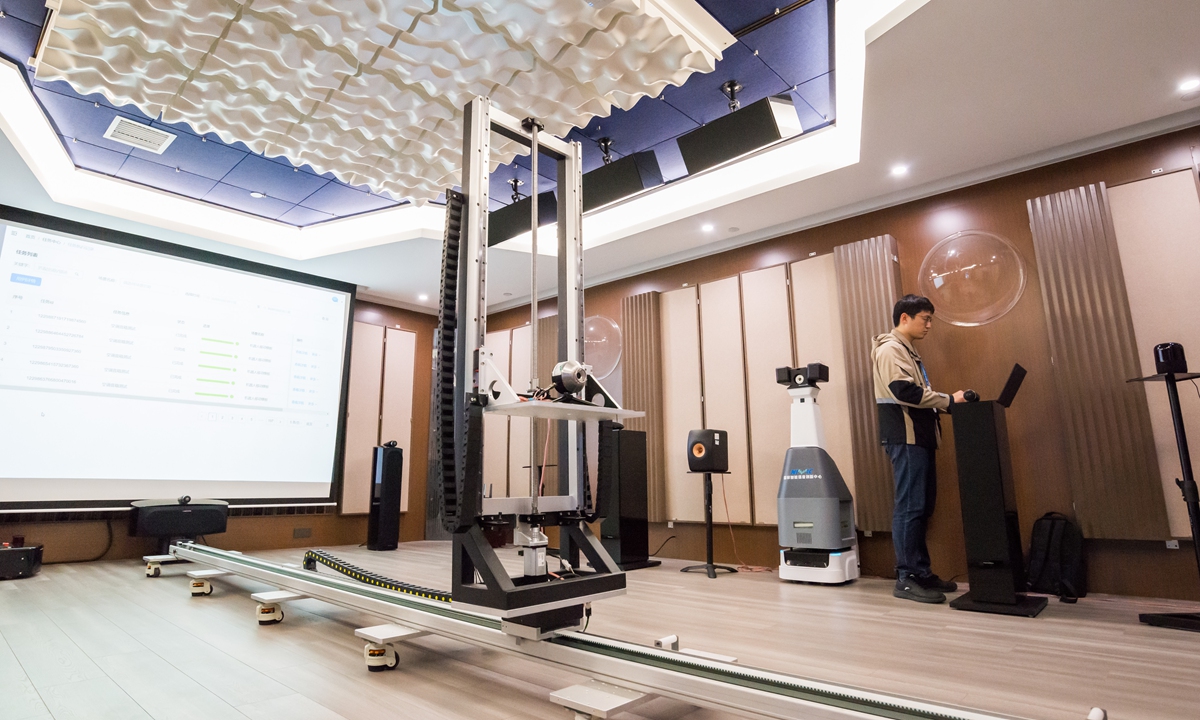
383,524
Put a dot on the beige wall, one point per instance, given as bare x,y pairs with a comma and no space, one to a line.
1157,222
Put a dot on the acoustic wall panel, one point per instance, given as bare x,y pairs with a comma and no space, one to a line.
768,346
1109,440
518,428
818,325
1157,223
868,285
723,371
362,416
495,427
682,409
642,389
395,416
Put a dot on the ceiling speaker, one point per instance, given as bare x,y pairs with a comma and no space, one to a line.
753,127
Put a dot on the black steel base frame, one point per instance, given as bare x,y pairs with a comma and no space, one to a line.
1026,605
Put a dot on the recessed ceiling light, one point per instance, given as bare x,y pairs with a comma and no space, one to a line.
707,227
899,170
422,297
1189,85
257,195
734,229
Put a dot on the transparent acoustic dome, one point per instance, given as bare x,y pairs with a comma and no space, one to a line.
601,345
972,277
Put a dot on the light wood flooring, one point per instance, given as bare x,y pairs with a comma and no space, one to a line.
100,640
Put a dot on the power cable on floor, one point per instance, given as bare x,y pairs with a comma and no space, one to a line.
742,567
660,547
107,547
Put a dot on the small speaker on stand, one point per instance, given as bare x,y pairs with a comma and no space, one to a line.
383,524
708,453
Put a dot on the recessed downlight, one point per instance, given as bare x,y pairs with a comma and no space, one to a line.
422,297
707,227
1189,85
257,195
899,170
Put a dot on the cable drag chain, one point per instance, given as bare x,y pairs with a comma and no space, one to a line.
372,578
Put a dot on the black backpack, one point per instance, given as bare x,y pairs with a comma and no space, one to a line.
1056,562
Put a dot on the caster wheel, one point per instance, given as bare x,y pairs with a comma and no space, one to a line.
210,592
377,668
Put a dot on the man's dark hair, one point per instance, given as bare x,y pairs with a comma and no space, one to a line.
910,305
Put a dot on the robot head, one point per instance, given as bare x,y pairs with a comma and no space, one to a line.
810,375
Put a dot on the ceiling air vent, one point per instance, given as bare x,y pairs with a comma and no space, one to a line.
124,130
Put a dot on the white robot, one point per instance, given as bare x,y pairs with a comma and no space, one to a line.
816,511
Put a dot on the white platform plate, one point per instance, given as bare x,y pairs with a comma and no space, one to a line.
562,411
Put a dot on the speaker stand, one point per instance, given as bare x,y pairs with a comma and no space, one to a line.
1191,496
1025,606
638,564
708,567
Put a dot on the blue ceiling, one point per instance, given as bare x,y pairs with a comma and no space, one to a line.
791,53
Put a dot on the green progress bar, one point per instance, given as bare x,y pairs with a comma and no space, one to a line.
219,382
204,394
214,367
210,352
223,342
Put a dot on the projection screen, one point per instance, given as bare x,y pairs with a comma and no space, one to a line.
135,369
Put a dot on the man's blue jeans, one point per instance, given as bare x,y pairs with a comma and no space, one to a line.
915,471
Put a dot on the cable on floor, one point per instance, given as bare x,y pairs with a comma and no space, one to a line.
742,567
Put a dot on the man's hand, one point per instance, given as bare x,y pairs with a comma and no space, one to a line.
960,396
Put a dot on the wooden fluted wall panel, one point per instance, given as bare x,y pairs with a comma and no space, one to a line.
868,277
642,389
1108,436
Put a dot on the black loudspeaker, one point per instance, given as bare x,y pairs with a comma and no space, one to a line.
620,179
708,451
171,519
512,220
755,126
624,531
1169,358
383,524
995,562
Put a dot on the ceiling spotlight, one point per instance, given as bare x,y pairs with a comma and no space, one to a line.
422,297
899,170
257,195
1189,85
707,227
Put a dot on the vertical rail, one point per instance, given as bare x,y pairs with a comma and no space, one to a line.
570,305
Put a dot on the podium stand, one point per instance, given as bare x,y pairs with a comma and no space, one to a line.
995,562
708,566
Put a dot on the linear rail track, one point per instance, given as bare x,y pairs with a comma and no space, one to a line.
729,687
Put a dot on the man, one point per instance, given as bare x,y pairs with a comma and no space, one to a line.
909,429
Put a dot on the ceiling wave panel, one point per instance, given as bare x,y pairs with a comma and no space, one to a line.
373,91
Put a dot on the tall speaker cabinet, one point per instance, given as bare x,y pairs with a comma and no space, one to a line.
995,562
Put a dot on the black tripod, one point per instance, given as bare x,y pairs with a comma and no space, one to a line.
708,567
1180,621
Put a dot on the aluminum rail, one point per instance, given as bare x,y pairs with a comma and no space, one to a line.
728,687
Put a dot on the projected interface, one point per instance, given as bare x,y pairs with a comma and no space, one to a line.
128,374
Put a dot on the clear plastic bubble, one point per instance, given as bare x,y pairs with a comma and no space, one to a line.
972,277
601,345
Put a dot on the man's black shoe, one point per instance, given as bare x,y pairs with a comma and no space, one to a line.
910,589
933,582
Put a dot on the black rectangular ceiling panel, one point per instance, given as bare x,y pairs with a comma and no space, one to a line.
511,221
620,179
729,136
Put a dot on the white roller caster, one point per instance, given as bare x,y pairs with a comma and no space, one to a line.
153,569
269,613
380,657
1097,714
201,587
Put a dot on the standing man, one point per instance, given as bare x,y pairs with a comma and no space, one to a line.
910,430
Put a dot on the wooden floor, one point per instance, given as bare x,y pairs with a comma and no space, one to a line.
100,640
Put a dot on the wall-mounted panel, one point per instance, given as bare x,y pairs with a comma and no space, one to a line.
768,346
362,416
724,380
1157,224
518,428
495,427
682,410
1108,438
868,285
818,324
642,389
396,409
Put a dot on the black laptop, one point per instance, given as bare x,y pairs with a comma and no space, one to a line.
1015,378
